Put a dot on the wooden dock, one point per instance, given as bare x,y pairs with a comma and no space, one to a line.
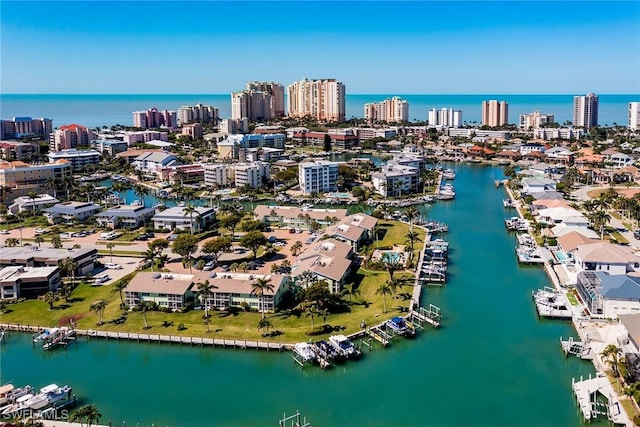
158,338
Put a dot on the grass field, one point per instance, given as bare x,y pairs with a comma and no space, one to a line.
366,306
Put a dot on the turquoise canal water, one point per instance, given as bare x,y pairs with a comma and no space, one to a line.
492,363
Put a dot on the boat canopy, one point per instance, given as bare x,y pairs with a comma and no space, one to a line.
6,388
49,388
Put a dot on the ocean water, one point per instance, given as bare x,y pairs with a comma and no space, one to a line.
108,110
492,363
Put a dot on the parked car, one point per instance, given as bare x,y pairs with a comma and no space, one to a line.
636,234
225,268
102,279
4,231
113,266
209,266
143,236
65,235
40,230
172,237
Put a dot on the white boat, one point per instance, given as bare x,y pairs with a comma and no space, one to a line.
344,346
508,203
46,334
136,203
400,327
48,395
529,255
305,351
10,394
551,303
18,406
448,174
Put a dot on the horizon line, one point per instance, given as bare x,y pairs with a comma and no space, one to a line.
347,94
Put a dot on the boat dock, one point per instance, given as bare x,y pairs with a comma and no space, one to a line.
595,397
551,304
576,348
379,334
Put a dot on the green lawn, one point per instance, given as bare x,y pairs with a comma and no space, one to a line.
572,298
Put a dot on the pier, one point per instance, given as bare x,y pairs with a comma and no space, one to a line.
595,396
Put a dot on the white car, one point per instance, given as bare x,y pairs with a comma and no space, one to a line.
4,231
113,266
40,230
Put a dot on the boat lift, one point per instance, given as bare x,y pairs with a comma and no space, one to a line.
295,421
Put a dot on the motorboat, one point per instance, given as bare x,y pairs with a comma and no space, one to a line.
48,395
328,351
136,203
10,394
448,174
400,327
45,335
18,406
344,346
305,351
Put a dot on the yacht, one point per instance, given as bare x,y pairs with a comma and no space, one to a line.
10,394
448,174
45,335
18,406
48,395
344,346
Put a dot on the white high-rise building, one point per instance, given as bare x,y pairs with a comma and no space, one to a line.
447,117
535,120
251,174
197,114
253,105
391,110
495,113
585,111
634,115
319,176
322,99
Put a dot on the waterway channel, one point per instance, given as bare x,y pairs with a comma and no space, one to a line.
492,363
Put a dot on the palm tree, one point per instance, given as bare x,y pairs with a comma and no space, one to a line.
92,414
384,290
264,323
311,311
351,290
204,289
110,246
190,210
411,212
49,298
69,183
296,248
11,242
150,255
56,242
33,196
98,308
600,219
118,287
390,264
259,287
38,240
144,305
412,237
65,291
52,184
141,191
69,267
611,354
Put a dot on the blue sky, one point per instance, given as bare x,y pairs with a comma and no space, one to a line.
373,47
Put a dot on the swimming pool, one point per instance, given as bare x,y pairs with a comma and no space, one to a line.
339,195
560,256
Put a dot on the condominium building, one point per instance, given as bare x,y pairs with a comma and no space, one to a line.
110,147
319,176
193,130
495,113
234,144
132,138
217,175
391,110
396,179
197,114
251,174
70,136
252,104
634,115
76,158
322,99
234,126
152,118
13,150
276,90
25,126
446,117
585,111
23,178
535,120
557,133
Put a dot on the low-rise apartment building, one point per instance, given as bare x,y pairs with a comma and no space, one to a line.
23,178
78,159
14,150
167,290
177,218
32,256
218,175
253,174
318,176
28,282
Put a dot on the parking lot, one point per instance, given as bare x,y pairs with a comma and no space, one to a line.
128,265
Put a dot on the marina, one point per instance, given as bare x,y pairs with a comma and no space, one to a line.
551,304
482,271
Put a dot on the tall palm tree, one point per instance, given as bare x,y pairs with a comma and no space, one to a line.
391,264
110,246
190,210
69,267
411,212
68,183
144,305
311,311
384,290
600,219
118,287
204,289
98,308
49,298
65,291
141,191
51,184
38,240
412,237
150,255
5,190
259,287
33,196
92,414
611,354
296,248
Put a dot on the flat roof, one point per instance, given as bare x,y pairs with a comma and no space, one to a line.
160,283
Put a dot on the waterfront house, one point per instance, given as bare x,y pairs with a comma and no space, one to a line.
28,282
328,260
32,256
615,160
236,290
534,156
630,329
295,217
70,211
26,203
559,155
167,290
124,216
608,295
605,256
151,163
355,229
131,155
537,184
176,218
509,155
562,229
562,215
